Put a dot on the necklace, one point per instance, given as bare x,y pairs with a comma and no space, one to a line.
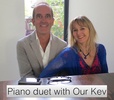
85,55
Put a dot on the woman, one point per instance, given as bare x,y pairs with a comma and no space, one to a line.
84,56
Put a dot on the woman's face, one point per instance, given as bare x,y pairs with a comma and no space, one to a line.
80,33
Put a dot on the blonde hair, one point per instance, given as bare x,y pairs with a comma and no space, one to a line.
83,21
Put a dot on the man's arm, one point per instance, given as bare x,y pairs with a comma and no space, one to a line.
23,61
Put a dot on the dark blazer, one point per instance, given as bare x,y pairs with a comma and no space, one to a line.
29,56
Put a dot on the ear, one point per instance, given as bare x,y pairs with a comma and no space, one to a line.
33,21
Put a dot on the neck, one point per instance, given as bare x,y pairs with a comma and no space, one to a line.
84,50
44,40
83,47
43,37
85,55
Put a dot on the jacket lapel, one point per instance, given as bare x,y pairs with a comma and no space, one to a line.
53,49
36,50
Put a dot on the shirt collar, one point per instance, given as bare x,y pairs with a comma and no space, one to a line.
38,38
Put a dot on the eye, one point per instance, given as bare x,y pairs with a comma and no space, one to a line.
48,16
82,28
39,16
75,30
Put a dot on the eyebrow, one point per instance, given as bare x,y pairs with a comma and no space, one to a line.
48,14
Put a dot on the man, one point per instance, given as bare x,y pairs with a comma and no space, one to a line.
36,50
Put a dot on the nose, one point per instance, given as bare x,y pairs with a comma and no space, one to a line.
43,18
78,32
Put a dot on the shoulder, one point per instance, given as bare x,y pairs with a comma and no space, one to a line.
101,50
27,38
100,47
69,50
69,54
58,40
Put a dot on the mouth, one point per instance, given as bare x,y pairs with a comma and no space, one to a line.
44,25
81,37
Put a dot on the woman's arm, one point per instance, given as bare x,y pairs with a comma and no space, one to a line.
102,57
55,66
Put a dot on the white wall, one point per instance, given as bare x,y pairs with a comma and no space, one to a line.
12,28
100,12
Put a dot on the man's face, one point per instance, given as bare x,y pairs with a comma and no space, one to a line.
43,19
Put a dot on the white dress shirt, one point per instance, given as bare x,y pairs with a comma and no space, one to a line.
45,55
